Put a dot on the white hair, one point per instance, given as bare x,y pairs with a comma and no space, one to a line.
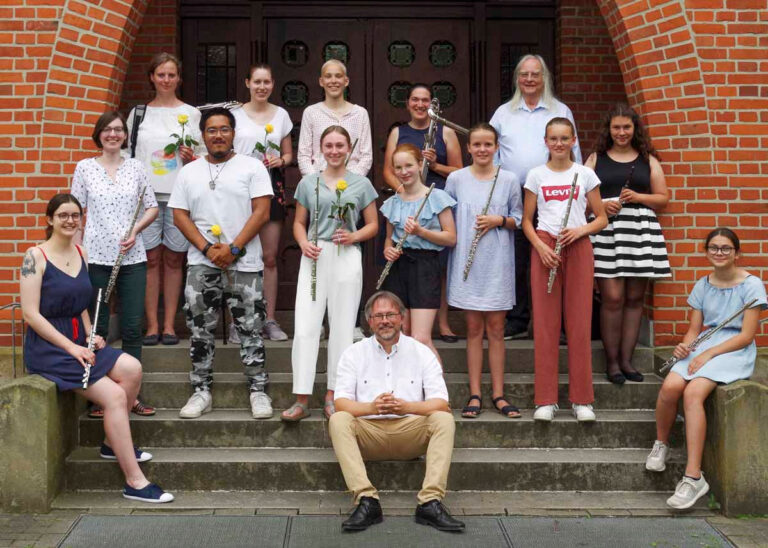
547,96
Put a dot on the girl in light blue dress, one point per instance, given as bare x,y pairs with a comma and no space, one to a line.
726,357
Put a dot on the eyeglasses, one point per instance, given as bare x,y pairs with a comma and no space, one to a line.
64,216
115,130
389,316
211,131
725,250
534,75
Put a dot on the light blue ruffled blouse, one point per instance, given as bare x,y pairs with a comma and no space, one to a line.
397,211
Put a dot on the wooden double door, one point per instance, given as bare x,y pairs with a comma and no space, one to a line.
467,63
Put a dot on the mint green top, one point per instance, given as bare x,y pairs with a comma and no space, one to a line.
359,191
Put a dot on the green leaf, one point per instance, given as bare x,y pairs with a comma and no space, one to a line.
260,148
175,135
188,141
195,143
273,146
170,149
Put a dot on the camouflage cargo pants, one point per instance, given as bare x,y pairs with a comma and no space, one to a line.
242,292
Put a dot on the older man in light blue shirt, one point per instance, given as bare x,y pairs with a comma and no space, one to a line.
520,124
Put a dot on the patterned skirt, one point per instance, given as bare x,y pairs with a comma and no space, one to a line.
632,245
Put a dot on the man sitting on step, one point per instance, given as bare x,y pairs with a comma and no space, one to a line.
392,404
220,202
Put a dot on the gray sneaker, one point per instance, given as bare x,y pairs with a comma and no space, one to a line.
233,338
657,458
273,332
261,405
688,491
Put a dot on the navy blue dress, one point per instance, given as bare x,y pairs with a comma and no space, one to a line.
407,134
62,301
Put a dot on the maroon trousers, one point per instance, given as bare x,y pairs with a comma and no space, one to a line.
571,298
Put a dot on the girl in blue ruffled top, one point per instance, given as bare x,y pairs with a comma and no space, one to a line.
415,274
729,355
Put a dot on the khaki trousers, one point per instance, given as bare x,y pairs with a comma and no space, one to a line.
355,440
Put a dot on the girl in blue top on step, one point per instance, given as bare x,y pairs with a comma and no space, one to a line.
729,355
55,294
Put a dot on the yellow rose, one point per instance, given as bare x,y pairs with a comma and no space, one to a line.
269,128
216,230
182,118
341,185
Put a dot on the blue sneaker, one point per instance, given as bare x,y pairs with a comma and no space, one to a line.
107,453
151,493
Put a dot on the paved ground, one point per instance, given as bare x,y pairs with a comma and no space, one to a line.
38,530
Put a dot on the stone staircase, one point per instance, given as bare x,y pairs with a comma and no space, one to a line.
227,450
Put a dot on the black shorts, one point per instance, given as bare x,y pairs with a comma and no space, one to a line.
415,278
277,204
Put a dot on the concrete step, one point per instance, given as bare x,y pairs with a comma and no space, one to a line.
314,469
171,390
546,503
519,357
236,428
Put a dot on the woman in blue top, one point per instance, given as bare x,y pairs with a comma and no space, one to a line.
444,159
415,274
55,294
729,355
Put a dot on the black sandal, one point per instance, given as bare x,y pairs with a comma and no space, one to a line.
472,411
507,409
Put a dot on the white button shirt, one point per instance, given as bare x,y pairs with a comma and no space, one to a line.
521,135
411,372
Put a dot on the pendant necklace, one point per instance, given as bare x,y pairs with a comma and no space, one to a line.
212,182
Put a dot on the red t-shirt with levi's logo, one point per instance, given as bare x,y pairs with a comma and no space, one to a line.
552,189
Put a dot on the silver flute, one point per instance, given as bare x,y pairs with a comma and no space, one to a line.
563,224
429,138
478,231
92,340
399,246
315,222
122,254
437,118
706,335
224,104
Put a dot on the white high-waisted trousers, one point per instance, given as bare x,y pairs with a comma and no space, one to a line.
339,285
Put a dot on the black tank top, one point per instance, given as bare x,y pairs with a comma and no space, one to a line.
613,175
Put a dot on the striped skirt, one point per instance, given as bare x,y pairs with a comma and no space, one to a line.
632,245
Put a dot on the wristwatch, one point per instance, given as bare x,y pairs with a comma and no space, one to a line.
234,250
204,251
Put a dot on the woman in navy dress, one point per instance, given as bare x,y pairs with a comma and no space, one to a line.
444,159
55,294
729,355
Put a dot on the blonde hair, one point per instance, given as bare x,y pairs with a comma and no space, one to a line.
547,96
334,61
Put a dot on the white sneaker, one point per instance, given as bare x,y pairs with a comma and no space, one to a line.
545,412
358,335
657,458
687,492
233,338
583,413
273,331
200,402
261,405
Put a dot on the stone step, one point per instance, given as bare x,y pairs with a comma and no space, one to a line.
545,503
316,469
236,428
171,390
519,357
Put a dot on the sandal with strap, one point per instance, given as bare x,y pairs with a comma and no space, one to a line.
329,409
142,409
288,414
472,411
507,409
96,412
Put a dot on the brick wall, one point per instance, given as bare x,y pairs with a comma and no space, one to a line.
588,76
158,33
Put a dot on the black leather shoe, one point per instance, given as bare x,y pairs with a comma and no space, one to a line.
435,514
366,514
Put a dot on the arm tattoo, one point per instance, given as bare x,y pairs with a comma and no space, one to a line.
28,266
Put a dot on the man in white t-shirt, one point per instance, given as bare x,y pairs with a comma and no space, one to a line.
392,404
220,202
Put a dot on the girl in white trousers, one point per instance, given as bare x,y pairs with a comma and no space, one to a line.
338,271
